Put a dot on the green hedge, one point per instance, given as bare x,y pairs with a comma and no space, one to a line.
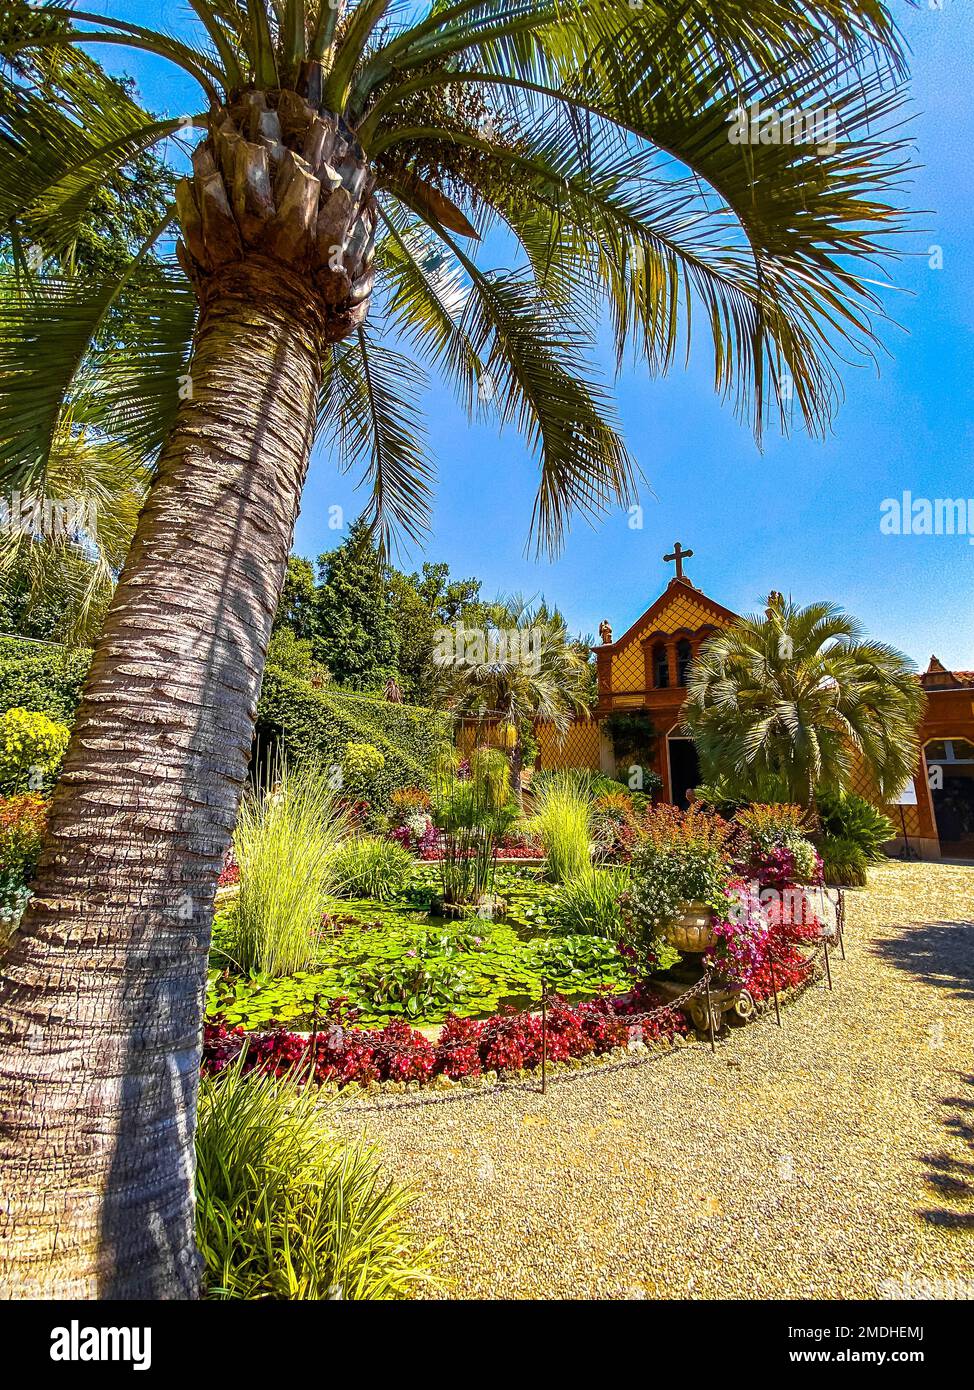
309,723
303,721
41,678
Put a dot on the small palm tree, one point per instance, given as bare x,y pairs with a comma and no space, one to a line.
791,700
529,669
342,166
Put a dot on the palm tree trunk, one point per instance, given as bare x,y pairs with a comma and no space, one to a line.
102,997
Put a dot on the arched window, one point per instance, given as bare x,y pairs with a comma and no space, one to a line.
684,656
661,669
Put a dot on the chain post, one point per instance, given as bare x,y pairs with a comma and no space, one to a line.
544,1034
774,987
710,1013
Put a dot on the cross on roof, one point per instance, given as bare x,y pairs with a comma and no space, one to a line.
679,555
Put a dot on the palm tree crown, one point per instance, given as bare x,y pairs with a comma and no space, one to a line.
370,149
791,699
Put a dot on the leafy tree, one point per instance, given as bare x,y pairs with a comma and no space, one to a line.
786,701
344,159
354,635
299,596
422,604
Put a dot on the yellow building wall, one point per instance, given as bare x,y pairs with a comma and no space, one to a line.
580,745
628,670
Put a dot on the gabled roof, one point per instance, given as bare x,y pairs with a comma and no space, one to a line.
937,677
675,589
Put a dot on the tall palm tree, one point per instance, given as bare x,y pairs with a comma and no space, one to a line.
348,161
526,667
791,700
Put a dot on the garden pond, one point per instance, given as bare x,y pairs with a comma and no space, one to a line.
395,960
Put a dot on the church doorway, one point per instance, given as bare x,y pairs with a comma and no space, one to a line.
950,770
684,769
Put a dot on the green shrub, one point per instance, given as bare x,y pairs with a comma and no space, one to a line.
843,861
293,655
368,866
284,1209
362,766
562,821
48,679
31,749
590,903
849,817
285,844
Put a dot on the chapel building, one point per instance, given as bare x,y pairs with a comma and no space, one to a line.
647,669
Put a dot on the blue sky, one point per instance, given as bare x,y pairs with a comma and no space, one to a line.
802,515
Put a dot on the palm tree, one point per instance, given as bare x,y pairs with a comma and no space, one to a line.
348,161
791,700
523,667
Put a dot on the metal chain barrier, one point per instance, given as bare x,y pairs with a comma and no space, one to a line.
818,960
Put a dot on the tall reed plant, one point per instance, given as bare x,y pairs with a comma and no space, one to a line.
473,811
562,822
285,1209
285,844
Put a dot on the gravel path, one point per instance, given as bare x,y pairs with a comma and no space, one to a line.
831,1159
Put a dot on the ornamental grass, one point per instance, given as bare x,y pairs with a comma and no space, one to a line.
284,1209
285,843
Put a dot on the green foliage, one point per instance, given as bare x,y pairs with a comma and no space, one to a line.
590,903
354,634
306,724
473,812
792,697
421,603
31,749
369,866
633,743
843,861
285,844
562,822
295,657
287,1210
394,961
852,818
362,766
296,609
14,897
48,679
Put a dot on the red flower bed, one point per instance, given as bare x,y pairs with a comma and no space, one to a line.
465,1047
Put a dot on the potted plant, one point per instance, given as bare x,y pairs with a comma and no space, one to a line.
680,871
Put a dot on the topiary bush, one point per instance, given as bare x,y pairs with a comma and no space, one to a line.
31,749
49,679
308,724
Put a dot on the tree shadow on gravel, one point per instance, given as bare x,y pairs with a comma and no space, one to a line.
939,953
949,1176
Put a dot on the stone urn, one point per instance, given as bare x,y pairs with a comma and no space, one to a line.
693,930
